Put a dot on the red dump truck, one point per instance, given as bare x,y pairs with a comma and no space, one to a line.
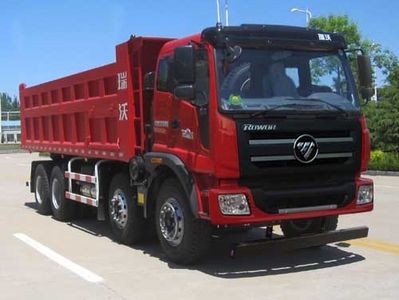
238,126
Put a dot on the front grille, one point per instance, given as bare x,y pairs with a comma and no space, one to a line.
337,149
278,180
262,152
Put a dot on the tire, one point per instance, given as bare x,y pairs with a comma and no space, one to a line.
294,228
183,238
330,223
42,190
63,209
125,216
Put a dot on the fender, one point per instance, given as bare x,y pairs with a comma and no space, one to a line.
155,159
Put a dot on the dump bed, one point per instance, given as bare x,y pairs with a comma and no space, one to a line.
97,113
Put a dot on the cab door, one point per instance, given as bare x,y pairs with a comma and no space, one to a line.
164,103
192,115
182,123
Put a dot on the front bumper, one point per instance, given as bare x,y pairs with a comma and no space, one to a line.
305,241
258,216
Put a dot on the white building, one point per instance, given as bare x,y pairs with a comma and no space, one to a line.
10,127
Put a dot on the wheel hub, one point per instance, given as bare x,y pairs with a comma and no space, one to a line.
118,208
171,222
39,189
55,191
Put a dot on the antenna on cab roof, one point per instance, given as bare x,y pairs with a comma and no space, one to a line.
226,12
219,23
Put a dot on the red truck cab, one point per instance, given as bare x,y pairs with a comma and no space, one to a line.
244,150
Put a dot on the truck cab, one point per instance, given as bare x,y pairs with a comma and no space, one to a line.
267,119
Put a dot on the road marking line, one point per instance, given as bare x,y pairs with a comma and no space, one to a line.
379,243
374,246
59,259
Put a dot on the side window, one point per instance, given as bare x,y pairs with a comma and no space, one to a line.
163,75
202,76
293,74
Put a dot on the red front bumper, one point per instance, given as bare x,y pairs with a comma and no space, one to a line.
258,216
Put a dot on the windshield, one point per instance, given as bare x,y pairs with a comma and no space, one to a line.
265,79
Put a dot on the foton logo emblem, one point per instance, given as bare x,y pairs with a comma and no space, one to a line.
305,149
259,127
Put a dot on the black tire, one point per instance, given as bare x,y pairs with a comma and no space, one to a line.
128,227
194,242
63,209
42,190
294,228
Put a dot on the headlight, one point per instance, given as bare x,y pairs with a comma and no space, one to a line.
234,204
365,194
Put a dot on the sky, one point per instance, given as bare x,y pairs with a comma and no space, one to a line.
41,40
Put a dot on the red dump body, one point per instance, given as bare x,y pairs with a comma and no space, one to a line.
96,113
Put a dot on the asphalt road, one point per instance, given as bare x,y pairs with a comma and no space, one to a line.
41,258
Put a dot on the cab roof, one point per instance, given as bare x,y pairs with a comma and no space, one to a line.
274,36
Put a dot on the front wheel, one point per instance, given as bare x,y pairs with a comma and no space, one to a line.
294,228
183,238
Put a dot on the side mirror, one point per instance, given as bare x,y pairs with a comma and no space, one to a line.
365,76
185,91
184,64
149,79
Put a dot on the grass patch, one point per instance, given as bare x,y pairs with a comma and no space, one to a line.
384,161
5,147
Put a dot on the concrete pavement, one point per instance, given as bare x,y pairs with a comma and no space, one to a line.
364,269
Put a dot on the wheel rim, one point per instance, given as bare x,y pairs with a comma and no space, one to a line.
55,192
171,222
118,208
39,189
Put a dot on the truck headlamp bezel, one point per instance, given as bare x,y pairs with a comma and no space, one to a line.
234,204
365,194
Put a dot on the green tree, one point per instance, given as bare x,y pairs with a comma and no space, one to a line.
382,117
383,120
383,59
9,103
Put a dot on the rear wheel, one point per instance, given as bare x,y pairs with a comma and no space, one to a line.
294,228
183,238
42,190
63,209
125,216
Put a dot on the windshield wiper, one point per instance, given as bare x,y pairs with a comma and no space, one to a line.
264,112
340,109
